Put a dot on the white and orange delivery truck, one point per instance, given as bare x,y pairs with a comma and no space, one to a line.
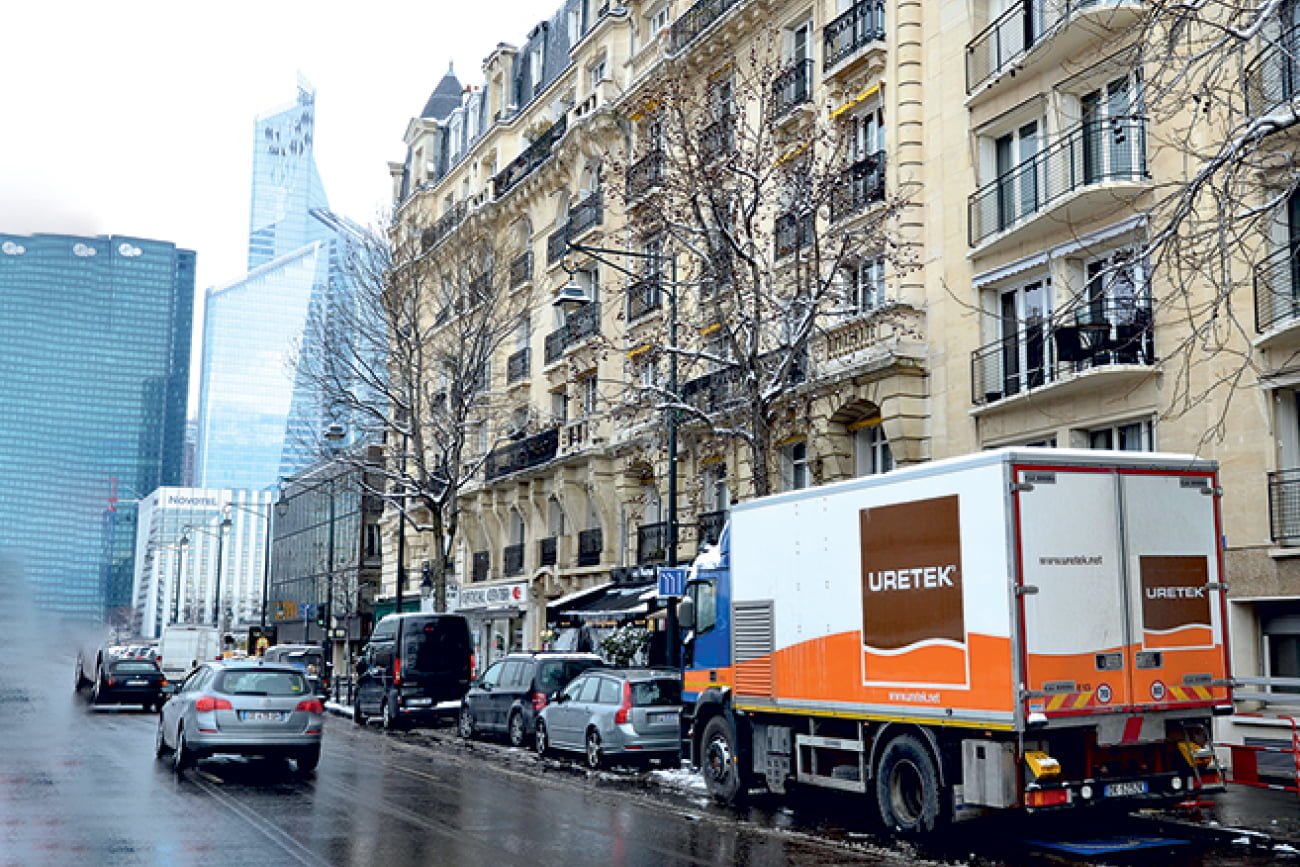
1016,629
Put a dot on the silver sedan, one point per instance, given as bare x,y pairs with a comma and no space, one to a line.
632,713
242,707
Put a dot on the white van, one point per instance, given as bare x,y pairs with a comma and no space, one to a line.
183,647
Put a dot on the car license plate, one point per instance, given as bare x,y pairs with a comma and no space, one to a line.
261,715
1121,790
663,718
137,683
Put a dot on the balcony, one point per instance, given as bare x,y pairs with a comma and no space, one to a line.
1043,32
578,327
718,139
530,452
527,162
590,543
792,232
1277,290
587,213
521,270
517,366
1073,179
791,88
442,227
652,544
645,175
708,527
643,297
480,567
547,551
1272,79
695,21
557,244
1105,334
512,560
861,185
714,392
846,36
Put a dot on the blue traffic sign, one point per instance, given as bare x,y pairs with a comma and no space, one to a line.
672,580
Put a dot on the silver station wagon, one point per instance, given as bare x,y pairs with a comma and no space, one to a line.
243,707
605,712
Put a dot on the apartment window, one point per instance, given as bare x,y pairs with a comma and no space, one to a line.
1133,436
374,541
1017,173
1116,289
722,96
798,42
535,68
717,498
1113,146
867,133
871,454
596,73
559,406
659,19
794,467
865,285
588,393
1023,314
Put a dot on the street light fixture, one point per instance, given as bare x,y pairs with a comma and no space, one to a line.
220,536
572,297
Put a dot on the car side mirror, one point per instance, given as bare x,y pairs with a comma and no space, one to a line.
558,697
686,613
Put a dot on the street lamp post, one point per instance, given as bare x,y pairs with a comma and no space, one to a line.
180,562
220,536
574,295
334,435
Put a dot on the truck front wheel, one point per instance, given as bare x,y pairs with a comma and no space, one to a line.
719,762
907,788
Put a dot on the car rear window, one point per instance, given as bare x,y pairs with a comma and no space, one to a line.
437,645
555,674
656,693
256,682
134,665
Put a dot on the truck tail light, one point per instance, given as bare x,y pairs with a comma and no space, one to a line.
208,703
1047,797
310,705
397,671
623,709
539,700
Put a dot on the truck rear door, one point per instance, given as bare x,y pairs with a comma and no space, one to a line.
1119,589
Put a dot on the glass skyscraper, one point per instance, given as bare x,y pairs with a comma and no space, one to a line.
260,417
94,373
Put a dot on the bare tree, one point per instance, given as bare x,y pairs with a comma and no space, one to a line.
767,208
407,360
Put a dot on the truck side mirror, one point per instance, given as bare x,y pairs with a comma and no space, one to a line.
686,612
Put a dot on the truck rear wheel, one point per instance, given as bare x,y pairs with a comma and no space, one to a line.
907,788
723,775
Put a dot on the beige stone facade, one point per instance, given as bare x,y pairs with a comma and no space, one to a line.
1018,308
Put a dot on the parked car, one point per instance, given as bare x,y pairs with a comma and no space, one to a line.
127,680
633,713
310,657
242,707
510,694
413,663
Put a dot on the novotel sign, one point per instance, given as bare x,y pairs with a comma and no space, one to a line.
183,500
496,596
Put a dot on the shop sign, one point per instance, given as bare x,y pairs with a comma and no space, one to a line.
494,596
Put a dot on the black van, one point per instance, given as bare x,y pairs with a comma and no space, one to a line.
413,663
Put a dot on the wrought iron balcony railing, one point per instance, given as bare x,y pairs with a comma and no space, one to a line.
645,174
577,327
587,213
443,226
1092,153
533,451
643,296
1272,79
791,88
547,551
1105,333
709,527
859,26
718,139
521,269
793,231
695,21
517,365
1277,288
557,244
652,543
862,184
512,560
533,156
590,543
480,567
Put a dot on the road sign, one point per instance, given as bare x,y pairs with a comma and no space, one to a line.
672,580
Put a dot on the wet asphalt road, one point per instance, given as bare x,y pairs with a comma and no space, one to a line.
80,785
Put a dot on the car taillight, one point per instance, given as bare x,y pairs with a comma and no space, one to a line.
207,704
539,701
626,706
310,705
164,682
1047,797
473,665
112,681
397,671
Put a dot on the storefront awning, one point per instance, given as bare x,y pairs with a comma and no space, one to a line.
616,601
572,598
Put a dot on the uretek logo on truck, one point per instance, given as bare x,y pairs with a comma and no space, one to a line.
912,593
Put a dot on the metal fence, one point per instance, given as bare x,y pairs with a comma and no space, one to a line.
1284,506
1014,32
862,24
791,87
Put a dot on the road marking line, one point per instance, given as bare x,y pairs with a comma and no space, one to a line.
272,832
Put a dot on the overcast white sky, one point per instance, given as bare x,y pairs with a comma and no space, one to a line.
137,117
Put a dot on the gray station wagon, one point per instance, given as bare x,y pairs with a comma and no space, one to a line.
604,712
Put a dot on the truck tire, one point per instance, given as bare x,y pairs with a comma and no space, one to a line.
907,788
723,775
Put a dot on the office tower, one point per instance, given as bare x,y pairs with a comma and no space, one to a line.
94,371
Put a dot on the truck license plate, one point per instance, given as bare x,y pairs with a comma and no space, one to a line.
261,716
1121,790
